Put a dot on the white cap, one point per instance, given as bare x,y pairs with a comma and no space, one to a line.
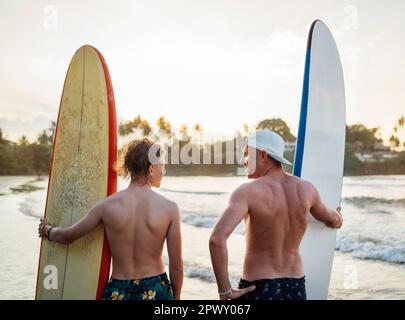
270,142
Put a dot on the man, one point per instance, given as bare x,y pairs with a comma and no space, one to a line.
275,206
137,221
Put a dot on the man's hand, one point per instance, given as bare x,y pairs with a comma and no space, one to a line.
335,219
43,228
236,293
339,217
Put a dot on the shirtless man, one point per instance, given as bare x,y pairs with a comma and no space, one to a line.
137,221
275,207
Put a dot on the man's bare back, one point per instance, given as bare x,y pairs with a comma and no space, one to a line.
275,226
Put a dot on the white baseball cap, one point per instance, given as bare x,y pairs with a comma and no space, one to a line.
270,142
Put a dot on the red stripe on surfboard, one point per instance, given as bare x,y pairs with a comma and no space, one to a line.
112,175
50,173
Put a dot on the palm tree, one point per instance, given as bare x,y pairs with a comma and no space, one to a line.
401,122
245,129
52,130
394,142
198,129
394,139
146,127
43,138
125,129
184,132
164,125
23,141
138,123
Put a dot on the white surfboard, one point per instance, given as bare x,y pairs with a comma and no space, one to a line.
319,155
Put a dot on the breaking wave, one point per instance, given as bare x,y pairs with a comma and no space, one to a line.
368,248
367,202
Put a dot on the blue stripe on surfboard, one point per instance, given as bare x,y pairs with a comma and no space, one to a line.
299,151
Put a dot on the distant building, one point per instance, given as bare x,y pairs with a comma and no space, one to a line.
10,143
365,157
290,145
379,147
389,156
375,156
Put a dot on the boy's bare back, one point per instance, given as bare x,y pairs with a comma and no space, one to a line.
137,223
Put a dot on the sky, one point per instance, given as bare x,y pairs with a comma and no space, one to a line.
221,63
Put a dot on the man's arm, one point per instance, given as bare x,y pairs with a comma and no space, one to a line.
237,210
70,234
175,253
330,217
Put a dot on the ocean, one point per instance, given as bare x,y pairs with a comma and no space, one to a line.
369,259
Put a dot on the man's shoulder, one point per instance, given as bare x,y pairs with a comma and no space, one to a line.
299,181
247,186
306,188
165,203
113,203
305,183
161,199
243,191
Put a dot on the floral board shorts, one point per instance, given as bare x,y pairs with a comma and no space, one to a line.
151,288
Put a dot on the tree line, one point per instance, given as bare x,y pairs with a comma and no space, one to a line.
25,158
33,158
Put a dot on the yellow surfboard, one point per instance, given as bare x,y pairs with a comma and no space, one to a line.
84,152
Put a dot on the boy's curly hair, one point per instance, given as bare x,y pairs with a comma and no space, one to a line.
135,159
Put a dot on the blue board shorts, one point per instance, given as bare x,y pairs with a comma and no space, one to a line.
275,289
150,288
